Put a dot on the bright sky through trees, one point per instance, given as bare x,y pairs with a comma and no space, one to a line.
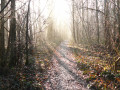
58,10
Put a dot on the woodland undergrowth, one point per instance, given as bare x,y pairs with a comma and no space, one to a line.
97,65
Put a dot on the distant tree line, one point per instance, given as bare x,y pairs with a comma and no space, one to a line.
97,22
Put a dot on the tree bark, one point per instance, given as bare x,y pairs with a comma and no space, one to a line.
12,36
2,41
118,16
97,20
73,16
107,26
27,30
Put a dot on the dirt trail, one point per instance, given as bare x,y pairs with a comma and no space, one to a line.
63,74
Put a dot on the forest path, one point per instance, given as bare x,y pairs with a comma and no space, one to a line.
64,74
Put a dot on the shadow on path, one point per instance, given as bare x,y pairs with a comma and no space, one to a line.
76,77
63,74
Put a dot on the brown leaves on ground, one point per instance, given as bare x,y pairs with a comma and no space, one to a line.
100,72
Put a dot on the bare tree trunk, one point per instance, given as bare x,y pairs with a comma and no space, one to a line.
12,36
97,20
107,24
118,16
88,34
73,11
27,30
2,42
114,36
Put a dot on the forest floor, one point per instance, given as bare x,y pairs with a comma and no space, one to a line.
65,67
64,74
81,68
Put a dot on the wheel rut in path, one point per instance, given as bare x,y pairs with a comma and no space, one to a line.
63,74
